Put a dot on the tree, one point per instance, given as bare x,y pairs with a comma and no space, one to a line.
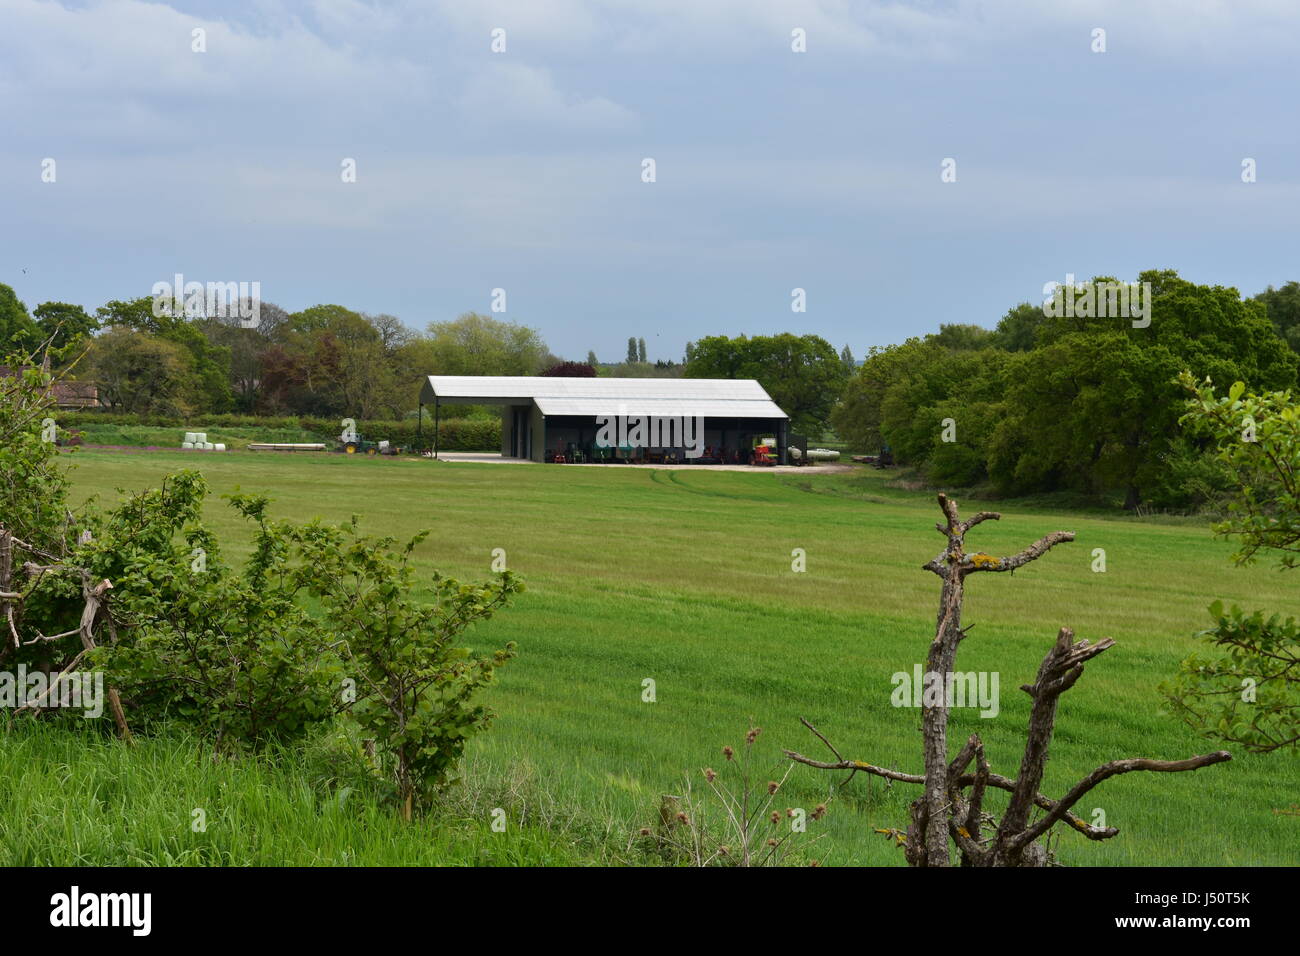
570,370
393,334
66,327
1095,404
142,374
33,487
591,358
478,345
963,338
1083,403
945,813
1283,309
850,364
802,373
248,348
1017,330
1250,695
640,350
18,333
631,349
209,367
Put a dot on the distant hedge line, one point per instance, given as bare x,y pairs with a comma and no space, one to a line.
455,434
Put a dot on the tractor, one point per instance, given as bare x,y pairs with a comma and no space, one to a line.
356,444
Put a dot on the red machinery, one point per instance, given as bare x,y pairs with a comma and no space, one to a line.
764,452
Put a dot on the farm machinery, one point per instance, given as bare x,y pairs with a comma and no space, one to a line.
356,444
764,452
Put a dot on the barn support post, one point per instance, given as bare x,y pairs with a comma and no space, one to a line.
437,417
419,428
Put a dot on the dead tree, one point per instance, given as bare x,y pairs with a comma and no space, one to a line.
48,554
94,614
946,811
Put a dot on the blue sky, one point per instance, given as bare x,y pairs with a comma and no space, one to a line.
522,170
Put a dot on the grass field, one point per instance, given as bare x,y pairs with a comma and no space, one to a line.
685,577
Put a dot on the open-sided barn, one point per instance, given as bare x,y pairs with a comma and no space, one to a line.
706,421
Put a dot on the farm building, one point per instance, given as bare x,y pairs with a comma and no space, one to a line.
704,421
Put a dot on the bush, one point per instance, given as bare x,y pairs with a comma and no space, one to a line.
234,654
321,621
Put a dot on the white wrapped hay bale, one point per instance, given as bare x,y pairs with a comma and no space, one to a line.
220,447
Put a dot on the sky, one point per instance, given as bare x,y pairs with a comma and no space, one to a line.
523,169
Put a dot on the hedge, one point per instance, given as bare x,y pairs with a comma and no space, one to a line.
454,434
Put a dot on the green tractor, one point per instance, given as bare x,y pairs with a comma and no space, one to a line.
353,443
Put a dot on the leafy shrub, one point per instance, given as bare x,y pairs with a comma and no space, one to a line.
235,654
417,691
321,621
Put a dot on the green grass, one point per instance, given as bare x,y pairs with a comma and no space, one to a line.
685,577
76,800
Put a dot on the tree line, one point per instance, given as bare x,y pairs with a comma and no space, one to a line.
1085,404
1080,403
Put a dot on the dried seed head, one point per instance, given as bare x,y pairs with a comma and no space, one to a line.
728,752
819,811
710,774
644,831
776,817
753,734
772,787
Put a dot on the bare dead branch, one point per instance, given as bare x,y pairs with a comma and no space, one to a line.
1112,769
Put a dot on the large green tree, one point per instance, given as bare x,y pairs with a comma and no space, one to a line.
143,374
209,367
1283,308
66,327
18,333
476,344
802,373
1095,406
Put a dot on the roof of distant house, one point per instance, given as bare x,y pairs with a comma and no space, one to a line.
66,394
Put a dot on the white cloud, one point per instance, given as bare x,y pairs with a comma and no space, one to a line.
514,93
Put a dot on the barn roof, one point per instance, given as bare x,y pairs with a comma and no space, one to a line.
687,397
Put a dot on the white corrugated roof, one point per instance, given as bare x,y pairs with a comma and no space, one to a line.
704,397
663,407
